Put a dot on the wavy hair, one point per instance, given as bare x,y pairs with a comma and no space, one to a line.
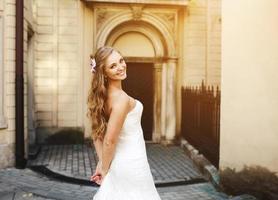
98,94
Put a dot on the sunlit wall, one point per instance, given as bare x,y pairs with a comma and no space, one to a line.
249,103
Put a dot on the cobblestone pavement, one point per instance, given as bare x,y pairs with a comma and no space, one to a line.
168,164
28,185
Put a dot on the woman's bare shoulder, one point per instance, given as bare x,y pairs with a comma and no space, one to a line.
120,100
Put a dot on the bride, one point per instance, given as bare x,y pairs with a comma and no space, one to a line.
123,171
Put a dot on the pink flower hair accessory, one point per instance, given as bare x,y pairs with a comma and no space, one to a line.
93,65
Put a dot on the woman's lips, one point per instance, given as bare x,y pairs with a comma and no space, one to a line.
122,73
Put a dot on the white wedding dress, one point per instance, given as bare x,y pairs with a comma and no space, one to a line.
129,176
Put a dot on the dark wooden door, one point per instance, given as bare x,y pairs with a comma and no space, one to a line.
139,84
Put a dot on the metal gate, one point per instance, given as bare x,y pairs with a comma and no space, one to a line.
201,120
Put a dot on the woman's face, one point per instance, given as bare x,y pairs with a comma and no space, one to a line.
115,67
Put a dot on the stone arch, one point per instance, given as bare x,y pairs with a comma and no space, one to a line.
148,31
165,62
136,45
147,18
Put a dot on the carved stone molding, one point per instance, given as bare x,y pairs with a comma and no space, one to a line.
181,3
169,19
102,15
105,31
158,67
137,11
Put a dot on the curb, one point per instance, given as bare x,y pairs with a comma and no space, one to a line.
204,166
209,171
75,180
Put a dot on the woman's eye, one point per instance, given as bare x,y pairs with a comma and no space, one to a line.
122,60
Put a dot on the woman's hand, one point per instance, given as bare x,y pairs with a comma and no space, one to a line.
103,173
99,174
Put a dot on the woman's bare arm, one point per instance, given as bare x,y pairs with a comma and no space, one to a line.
115,123
98,146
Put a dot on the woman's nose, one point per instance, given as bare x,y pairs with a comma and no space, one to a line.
121,66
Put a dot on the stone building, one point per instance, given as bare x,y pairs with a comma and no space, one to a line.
176,42
8,76
167,44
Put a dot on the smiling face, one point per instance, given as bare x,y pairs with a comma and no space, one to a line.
115,67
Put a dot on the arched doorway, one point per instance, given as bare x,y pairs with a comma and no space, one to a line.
139,53
154,44
136,45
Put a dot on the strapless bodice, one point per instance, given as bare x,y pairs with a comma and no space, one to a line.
132,123
131,140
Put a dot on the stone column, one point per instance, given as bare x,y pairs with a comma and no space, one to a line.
170,126
157,102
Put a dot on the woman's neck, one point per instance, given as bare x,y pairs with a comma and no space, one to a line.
115,85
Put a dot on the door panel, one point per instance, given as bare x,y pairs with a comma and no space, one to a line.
139,84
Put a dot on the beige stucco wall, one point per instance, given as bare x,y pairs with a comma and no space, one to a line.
249,104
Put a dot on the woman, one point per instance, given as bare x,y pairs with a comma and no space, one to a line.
123,171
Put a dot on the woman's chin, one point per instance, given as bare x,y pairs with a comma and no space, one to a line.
123,77
120,78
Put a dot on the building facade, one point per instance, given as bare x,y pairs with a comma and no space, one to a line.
7,76
166,44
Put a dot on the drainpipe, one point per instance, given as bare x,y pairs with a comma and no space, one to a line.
20,160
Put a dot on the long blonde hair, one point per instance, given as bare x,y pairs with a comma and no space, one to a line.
98,94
